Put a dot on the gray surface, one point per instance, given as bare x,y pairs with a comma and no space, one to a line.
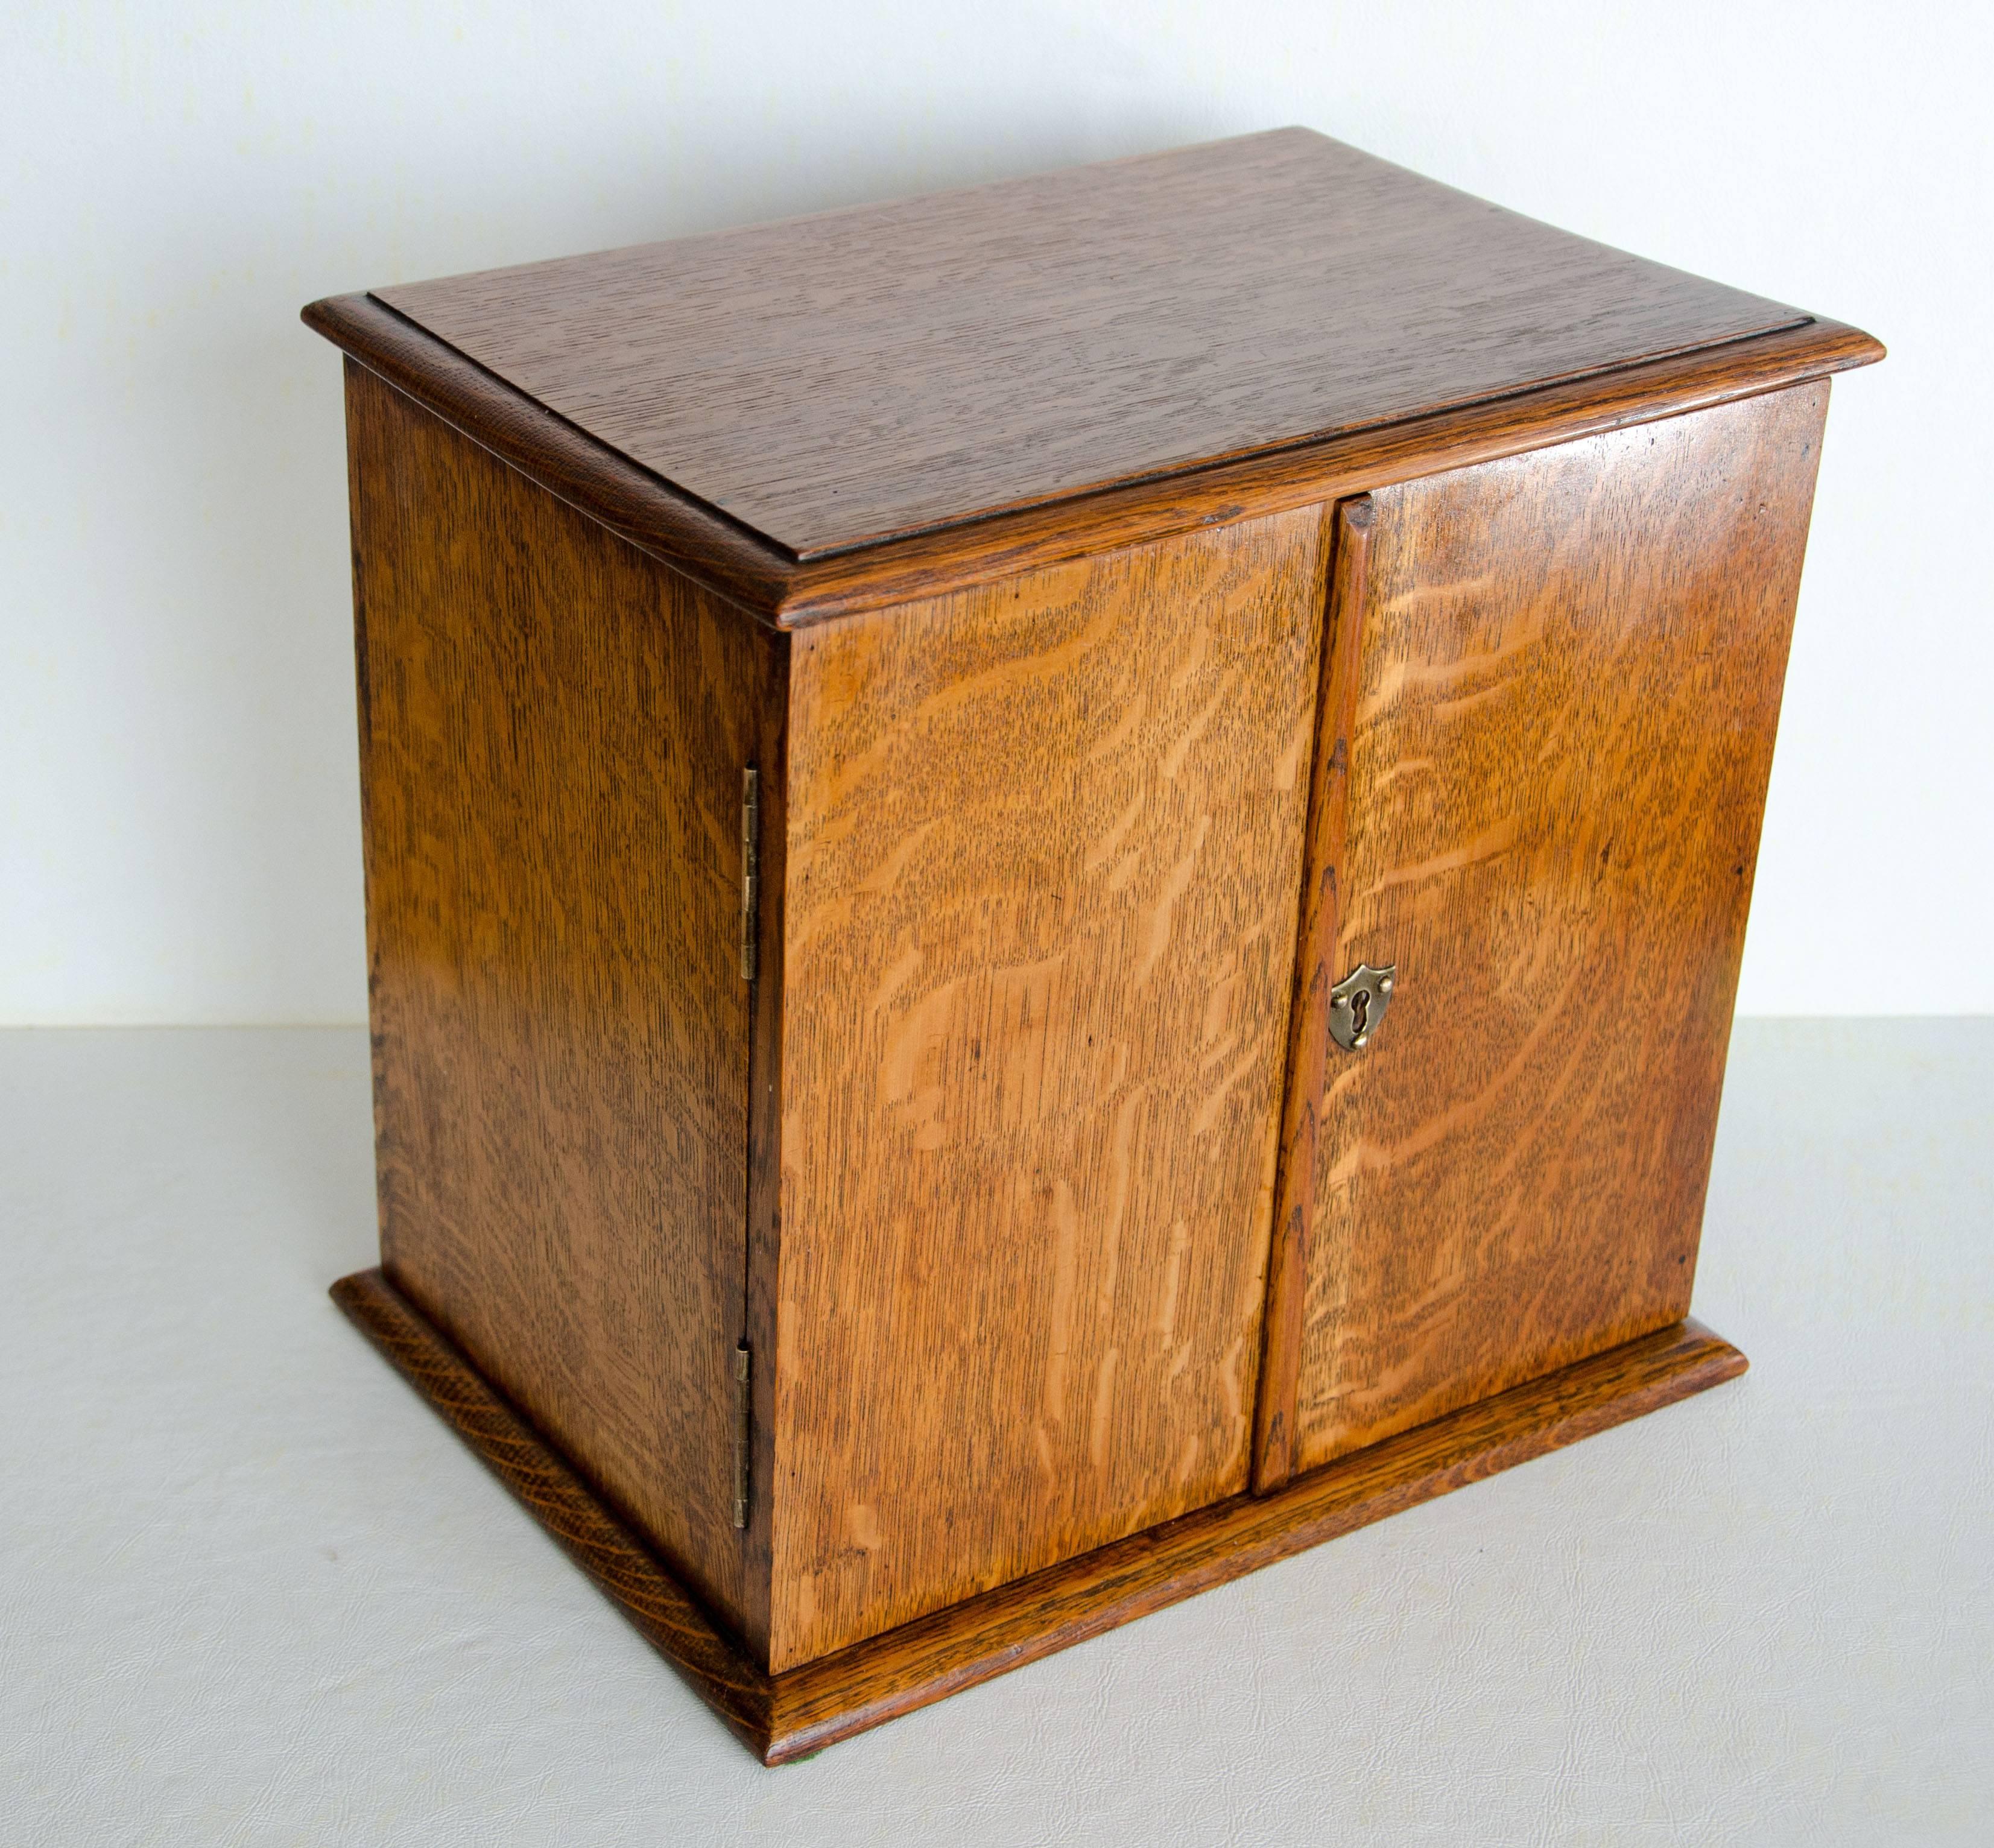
250,1591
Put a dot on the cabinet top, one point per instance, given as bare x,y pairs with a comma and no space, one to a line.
835,382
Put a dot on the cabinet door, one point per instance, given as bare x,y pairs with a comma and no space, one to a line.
1043,844
1553,683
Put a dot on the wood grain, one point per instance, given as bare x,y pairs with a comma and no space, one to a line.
711,550
552,732
769,584
1044,846
765,1138
994,531
1308,1019
985,551
836,381
1570,685
792,1716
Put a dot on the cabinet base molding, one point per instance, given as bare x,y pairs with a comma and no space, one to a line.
794,1714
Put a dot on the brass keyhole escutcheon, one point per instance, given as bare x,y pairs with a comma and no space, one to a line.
1357,1004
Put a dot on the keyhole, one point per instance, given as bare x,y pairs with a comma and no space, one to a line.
1360,1009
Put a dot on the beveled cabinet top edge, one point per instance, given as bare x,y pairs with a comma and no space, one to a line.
659,519
783,591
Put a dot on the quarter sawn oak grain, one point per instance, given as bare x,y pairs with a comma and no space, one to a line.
1043,846
837,381
769,584
552,728
1563,721
1316,973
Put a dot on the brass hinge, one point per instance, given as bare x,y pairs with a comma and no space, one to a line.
750,867
744,1418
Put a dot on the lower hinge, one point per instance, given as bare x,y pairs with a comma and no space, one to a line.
744,1425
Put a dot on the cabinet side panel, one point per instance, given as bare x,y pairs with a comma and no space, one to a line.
553,729
1044,863
1570,683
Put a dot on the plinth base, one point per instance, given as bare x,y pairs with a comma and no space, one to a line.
796,1713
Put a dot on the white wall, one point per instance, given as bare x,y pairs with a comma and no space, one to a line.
178,827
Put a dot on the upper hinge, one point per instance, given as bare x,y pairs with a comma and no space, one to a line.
750,868
744,1426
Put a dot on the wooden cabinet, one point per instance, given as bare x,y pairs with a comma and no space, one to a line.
901,752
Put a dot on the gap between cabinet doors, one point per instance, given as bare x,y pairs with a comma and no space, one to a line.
1319,928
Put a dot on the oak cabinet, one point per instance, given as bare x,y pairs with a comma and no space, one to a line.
1055,876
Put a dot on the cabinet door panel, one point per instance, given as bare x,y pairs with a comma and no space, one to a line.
1044,842
1567,685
